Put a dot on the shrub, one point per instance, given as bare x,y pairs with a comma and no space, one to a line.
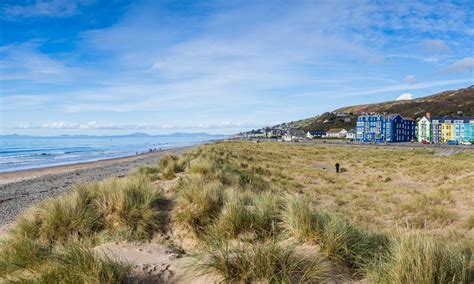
268,261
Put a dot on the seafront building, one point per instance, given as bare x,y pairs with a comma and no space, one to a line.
468,130
379,128
446,128
424,129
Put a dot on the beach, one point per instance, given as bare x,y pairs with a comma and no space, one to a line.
20,190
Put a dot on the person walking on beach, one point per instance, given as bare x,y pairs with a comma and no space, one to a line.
337,167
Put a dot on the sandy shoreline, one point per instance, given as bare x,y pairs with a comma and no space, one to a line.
19,175
22,189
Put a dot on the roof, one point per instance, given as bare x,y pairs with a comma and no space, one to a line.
316,131
465,119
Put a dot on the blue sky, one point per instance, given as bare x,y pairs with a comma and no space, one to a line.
110,67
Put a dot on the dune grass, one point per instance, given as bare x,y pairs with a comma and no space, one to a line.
269,261
127,208
27,260
51,242
416,258
242,204
265,212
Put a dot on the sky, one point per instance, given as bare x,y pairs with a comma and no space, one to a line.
116,67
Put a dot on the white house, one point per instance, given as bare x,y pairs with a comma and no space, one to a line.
351,134
336,133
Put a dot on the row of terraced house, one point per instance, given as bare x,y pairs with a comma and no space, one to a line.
445,129
379,128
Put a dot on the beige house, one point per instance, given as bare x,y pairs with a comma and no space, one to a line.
336,133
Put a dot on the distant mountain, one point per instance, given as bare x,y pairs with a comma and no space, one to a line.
456,102
136,134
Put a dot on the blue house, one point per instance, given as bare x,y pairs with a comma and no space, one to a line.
378,128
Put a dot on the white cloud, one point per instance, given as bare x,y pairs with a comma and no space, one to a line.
404,96
435,46
410,79
49,8
461,66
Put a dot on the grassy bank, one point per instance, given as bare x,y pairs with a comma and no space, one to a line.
267,212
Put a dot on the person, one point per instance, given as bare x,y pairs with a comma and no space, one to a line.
337,167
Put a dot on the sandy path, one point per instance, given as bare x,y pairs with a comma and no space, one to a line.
22,189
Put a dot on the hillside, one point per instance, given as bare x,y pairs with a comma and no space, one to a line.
455,102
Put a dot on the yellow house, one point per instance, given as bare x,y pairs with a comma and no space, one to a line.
447,131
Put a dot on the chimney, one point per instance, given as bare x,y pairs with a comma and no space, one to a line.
428,115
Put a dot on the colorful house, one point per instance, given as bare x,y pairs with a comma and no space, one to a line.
437,129
371,128
447,127
378,128
423,132
400,129
468,130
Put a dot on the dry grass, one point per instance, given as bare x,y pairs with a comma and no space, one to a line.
253,210
52,242
270,261
245,193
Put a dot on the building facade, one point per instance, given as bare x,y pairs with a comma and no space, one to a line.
377,128
468,130
437,129
423,132
447,130
400,129
371,128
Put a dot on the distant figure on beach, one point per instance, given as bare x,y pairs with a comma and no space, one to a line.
337,167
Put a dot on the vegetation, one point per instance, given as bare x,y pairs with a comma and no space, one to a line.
51,242
269,261
266,212
241,200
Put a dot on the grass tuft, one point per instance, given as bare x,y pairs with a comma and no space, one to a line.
419,259
269,261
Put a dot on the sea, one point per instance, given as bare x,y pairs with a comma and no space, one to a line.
28,152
